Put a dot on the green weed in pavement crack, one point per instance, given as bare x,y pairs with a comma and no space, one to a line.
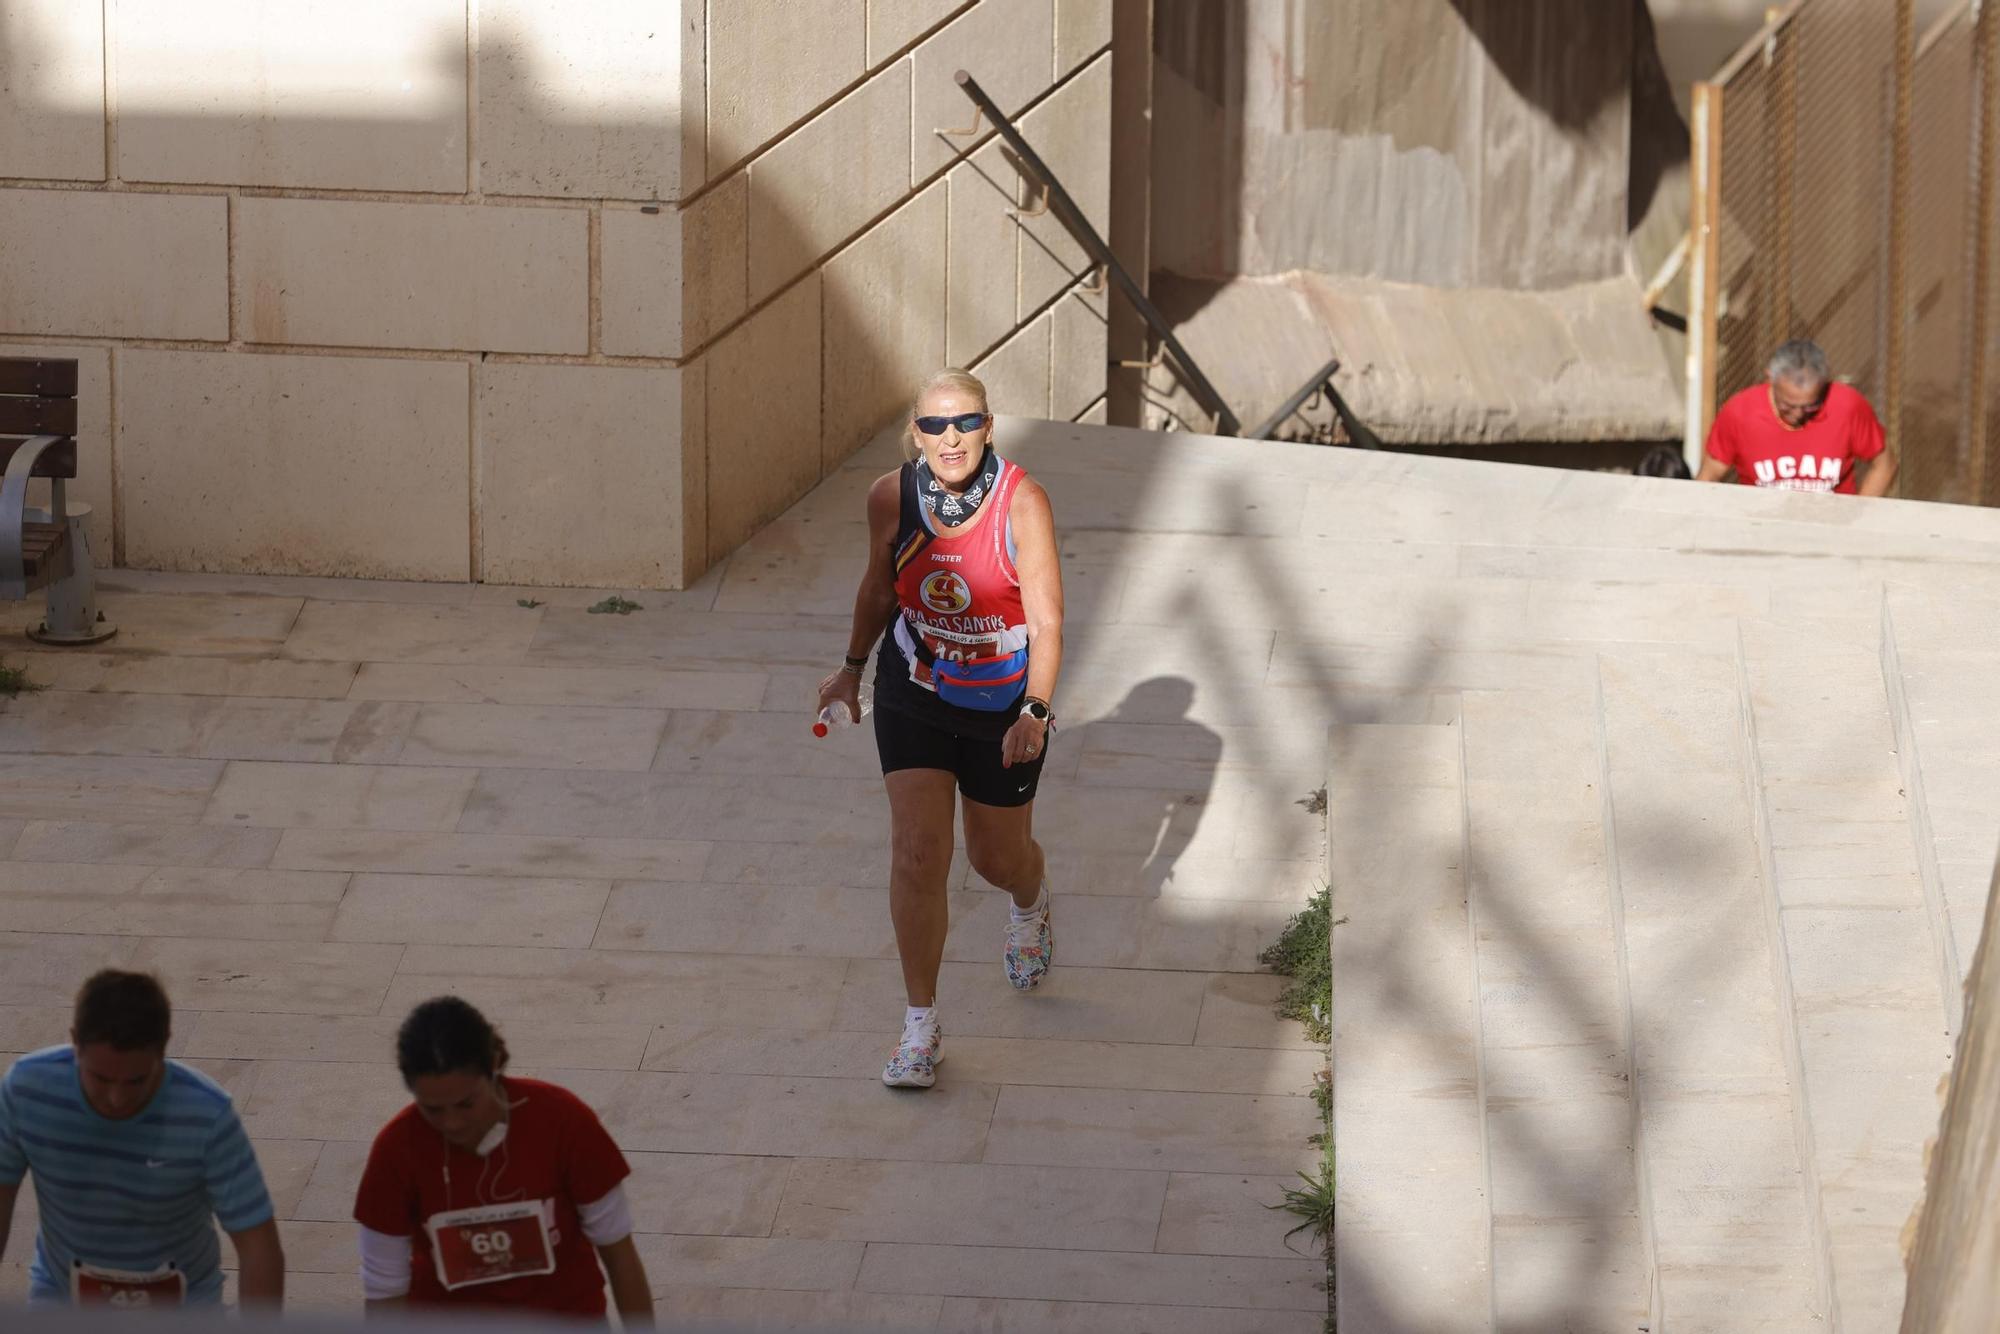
614,605
14,680
1304,953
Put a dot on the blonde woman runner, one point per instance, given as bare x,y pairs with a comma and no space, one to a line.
963,577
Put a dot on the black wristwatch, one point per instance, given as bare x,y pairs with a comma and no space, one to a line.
1038,709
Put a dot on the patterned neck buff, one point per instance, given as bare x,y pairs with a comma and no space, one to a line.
949,510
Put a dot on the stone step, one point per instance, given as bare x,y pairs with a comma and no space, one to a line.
1857,944
1734,1244
1569,1246
1413,1228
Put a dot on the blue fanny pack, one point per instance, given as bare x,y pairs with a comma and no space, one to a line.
987,684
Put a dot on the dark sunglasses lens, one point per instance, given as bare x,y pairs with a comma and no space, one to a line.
970,421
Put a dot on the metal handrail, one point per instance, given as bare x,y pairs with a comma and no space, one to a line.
1321,379
1358,433
1226,422
1776,20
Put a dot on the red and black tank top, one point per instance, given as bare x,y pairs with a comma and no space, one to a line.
960,613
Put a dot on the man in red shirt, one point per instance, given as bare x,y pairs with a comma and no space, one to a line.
1800,431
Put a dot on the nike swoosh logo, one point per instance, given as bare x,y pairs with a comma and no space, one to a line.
1022,788
156,1162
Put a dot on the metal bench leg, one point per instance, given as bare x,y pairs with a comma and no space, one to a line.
73,617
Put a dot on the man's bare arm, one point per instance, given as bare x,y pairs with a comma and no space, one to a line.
260,1267
1881,474
1713,470
7,1194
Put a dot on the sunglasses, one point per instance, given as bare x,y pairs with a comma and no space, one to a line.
966,422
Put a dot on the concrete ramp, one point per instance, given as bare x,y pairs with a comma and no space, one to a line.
1641,1026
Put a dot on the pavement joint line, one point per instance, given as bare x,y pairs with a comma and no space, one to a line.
1909,757
1788,1021
1481,1091
1614,885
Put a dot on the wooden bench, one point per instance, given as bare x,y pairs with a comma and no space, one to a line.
44,549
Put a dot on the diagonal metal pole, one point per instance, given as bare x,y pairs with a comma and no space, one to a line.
1072,217
1322,378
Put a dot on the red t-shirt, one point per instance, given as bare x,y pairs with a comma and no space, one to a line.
556,1152
1819,456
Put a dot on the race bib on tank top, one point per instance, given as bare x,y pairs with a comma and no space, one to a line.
963,630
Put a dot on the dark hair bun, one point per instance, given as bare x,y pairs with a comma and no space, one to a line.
446,1035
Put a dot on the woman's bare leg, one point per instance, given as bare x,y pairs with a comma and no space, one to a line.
1000,843
920,839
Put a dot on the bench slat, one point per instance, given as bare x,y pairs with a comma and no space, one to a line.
37,375
58,460
39,544
37,416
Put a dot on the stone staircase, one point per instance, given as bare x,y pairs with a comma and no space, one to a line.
1645,980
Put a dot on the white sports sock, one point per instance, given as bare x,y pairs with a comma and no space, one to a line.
920,1014
1041,901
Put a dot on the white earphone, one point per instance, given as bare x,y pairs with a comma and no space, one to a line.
495,1136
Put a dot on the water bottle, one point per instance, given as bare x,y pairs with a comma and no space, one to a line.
835,714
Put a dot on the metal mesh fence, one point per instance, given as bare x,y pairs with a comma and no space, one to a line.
1844,172
1939,302
1980,432
1803,237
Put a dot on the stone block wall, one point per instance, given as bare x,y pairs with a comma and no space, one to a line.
526,291
841,247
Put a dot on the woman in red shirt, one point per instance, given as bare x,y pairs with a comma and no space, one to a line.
492,1190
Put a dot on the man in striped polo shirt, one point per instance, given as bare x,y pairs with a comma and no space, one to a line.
135,1159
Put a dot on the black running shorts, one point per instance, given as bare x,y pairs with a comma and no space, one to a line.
907,742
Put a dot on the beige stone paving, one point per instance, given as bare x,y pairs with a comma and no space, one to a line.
310,804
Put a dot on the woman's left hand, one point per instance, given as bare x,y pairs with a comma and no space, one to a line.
1024,742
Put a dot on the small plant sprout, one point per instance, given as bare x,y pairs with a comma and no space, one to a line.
14,680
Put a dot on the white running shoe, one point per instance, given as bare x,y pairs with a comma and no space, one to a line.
1031,944
914,1063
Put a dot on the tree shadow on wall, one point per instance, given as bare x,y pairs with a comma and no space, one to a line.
1564,57
836,356
1574,59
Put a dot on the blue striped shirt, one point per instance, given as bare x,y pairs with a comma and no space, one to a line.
135,1194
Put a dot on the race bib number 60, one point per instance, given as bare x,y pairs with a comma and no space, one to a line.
490,1243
